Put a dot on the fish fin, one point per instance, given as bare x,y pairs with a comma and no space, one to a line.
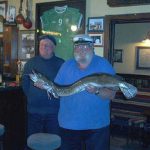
48,94
55,95
128,90
51,91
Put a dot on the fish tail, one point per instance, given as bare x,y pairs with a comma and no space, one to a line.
128,90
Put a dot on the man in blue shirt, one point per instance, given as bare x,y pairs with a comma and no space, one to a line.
85,116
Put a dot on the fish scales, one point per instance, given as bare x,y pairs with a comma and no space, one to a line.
97,80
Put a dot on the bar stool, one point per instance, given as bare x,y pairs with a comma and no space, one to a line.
43,141
2,130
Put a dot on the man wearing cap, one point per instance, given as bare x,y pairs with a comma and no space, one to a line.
42,112
85,116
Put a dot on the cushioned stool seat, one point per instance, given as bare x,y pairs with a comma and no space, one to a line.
2,129
43,141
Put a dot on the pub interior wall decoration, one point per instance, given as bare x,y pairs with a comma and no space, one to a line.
118,55
11,14
98,39
95,24
26,44
3,8
142,57
119,3
63,20
1,24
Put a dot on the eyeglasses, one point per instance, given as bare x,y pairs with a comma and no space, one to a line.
83,47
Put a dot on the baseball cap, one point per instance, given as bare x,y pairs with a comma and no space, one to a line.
50,37
82,38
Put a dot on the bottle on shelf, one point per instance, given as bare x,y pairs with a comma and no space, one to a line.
18,72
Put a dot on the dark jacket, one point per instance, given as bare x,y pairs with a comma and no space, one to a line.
37,99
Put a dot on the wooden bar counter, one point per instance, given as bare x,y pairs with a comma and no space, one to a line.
13,117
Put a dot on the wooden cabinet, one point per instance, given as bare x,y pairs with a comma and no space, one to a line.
141,102
13,116
1,54
131,116
10,46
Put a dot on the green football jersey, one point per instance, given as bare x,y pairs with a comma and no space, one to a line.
58,22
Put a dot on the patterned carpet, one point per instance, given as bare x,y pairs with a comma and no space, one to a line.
121,144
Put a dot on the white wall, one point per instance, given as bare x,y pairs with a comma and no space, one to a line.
128,37
94,8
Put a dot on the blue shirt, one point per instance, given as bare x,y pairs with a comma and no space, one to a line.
83,110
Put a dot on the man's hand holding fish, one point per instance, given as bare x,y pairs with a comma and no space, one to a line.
104,93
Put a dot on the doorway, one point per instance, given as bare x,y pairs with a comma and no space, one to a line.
110,24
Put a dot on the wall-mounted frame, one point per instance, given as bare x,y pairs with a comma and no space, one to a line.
98,39
26,44
58,26
11,14
118,55
142,57
3,7
1,24
95,24
117,3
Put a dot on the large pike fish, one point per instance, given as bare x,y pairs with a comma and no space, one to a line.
102,80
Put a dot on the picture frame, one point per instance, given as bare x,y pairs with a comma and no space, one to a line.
142,57
77,7
3,8
1,24
120,3
98,39
26,44
118,55
11,14
95,24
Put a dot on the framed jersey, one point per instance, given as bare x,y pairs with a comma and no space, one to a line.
63,20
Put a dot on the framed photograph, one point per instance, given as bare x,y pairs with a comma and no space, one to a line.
118,55
11,14
1,24
95,24
117,3
98,39
3,6
26,44
142,57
